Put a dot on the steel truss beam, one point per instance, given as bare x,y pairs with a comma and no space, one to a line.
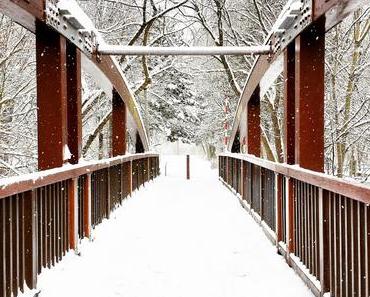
183,51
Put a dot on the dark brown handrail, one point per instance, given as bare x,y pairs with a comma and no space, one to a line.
352,189
14,185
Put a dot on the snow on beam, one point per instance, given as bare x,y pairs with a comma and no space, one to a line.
183,51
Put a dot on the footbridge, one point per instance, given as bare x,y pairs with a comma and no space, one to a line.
317,224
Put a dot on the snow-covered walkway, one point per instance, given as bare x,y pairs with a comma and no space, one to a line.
176,238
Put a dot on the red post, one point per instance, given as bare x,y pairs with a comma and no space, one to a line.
309,90
30,244
73,213
148,169
51,97
2,248
290,217
118,125
290,146
289,103
242,171
187,167
129,176
254,124
324,218
279,210
87,205
74,113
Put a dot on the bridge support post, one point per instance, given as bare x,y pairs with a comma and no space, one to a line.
289,104
309,95
59,109
254,124
309,120
51,97
74,110
304,68
118,125
290,142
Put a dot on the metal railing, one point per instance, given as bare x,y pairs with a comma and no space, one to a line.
42,215
318,222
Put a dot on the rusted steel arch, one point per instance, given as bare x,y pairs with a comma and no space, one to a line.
105,69
294,21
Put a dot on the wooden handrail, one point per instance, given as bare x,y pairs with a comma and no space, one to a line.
351,189
19,184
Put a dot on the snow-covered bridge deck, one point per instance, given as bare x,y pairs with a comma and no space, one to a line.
176,238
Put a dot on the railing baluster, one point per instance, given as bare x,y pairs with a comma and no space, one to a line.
73,213
324,239
2,248
66,198
22,235
347,245
362,250
290,215
87,206
15,244
30,238
39,229
53,223
355,282
8,245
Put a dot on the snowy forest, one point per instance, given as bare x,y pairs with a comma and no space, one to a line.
183,98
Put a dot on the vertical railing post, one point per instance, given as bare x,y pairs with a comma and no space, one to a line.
187,167
148,169
73,213
87,206
242,179
108,194
30,239
2,249
226,180
128,177
278,207
324,240
130,169
289,217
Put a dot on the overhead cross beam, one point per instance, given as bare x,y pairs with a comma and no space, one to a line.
183,51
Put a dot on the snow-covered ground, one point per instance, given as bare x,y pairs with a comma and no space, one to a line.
176,238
